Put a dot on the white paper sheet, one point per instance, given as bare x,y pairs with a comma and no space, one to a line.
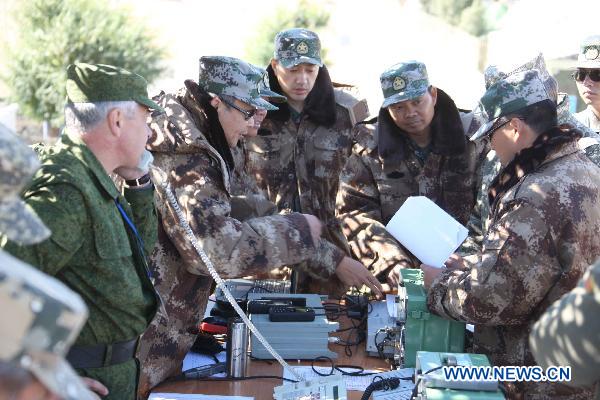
426,230
352,382
193,360
181,396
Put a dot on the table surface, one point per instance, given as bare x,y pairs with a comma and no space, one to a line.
263,388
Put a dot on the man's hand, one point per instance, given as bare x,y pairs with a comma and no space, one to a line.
429,274
393,278
455,261
95,386
315,227
353,273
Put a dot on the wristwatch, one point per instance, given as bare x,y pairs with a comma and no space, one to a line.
142,180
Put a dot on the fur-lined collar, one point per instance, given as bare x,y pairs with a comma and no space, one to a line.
448,136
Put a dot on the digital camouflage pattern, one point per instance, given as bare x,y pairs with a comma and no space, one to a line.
264,89
298,166
93,252
17,165
588,118
567,333
233,77
542,236
508,95
375,183
42,320
201,182
479,219
589,53
403,81
93,83
297,46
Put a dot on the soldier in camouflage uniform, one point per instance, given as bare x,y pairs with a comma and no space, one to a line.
42,317
192,143
587,78
479,219
567,333
100,237
298,154
545,219
416,147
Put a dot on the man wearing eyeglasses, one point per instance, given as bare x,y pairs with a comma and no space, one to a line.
587,78
545,218
192,144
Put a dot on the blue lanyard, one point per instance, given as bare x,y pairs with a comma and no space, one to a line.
138,238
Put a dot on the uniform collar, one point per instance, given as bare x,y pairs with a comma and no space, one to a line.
73,143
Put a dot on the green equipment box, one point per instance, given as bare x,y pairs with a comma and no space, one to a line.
423,330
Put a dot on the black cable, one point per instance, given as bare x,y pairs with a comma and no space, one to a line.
360,371
418,381
381,384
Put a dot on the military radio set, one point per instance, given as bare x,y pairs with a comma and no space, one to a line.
403,330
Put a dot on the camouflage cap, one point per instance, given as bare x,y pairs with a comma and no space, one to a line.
494,73
43,317
92,83
589,53
297,46
509,95
403,81
17,164
233,77
264,89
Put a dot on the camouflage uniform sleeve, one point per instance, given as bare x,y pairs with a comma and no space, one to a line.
248,206
325,260
144,215
517,266
235,248
359,210
567,333
64,219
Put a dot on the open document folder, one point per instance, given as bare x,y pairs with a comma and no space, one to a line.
426,230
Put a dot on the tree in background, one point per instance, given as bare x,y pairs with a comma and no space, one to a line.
305,14
469,15
56,33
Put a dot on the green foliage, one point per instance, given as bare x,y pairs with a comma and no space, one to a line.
56,33
468,15
306,14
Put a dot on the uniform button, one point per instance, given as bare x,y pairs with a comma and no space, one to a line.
291,176
286,205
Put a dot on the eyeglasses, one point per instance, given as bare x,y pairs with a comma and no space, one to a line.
581,73
247,114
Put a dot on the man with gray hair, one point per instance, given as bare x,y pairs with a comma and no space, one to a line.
32,346
100,237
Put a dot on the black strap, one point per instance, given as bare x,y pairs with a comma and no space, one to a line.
102,355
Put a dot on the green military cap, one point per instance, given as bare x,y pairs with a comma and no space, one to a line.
264,88
510,95
297,46
403,81
589,53
17,164
92,83
42,317
233,77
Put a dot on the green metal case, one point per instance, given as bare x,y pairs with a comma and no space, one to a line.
425,331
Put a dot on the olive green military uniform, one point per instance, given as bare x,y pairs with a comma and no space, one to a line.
92,248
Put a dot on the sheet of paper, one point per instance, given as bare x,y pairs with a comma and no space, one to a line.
352,382
193,360
181,396
426,230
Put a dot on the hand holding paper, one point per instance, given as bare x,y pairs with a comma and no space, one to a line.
426,230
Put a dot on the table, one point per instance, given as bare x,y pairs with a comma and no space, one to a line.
262,389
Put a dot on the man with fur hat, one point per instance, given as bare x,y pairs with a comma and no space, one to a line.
545,219
300,149
416,147
192,142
